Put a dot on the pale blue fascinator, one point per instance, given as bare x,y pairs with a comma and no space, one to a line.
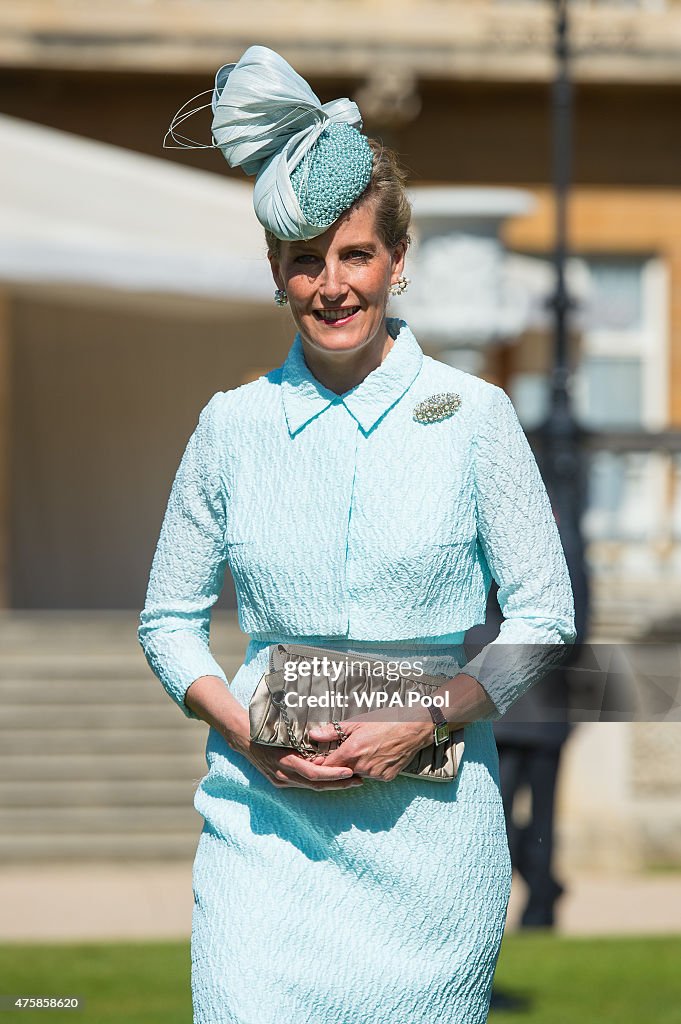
310,159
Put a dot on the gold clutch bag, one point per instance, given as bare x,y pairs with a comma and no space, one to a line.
297,694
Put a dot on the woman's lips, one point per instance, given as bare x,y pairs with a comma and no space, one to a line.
337,322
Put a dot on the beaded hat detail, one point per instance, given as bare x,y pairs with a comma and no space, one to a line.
311,161
332,174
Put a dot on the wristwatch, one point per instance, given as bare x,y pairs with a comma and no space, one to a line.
441,725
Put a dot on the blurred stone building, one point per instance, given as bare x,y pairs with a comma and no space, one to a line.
462,90
133,282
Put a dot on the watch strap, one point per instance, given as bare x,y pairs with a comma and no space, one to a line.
440,725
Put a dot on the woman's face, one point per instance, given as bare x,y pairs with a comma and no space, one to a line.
338,283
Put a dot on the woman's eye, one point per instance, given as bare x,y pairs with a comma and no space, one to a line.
356,255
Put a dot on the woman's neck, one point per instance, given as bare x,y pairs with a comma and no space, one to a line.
342,370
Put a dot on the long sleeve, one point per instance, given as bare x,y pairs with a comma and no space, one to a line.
519,538
188,566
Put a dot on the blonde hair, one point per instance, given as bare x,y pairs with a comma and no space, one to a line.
387,188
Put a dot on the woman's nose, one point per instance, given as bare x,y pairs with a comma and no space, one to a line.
332,284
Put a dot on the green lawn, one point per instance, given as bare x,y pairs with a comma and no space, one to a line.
563,980
591,981
121,983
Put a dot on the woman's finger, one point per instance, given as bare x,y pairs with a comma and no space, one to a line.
284,776
316,772
342,784
323,733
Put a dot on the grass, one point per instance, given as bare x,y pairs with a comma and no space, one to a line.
561,979
591,980
120,983
663,868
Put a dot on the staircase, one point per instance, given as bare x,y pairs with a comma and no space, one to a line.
96,761
635,611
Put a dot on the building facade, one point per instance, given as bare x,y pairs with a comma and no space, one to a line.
100,382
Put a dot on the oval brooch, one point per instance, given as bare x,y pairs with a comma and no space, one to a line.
437,407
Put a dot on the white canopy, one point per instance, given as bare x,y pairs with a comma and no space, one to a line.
75,211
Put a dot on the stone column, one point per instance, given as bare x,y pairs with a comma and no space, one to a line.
460,300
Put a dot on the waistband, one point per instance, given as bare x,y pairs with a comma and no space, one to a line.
437,654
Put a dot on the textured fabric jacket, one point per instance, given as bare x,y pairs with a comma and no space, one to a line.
343,516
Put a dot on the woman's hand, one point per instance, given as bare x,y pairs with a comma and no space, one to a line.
375,748
211,700
286,768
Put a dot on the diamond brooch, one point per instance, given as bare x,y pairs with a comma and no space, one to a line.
437,407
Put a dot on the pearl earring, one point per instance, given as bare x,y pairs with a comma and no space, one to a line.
400,286
280,297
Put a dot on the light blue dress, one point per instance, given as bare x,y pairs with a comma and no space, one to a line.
344,521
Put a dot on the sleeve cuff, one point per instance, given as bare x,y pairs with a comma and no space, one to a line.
179,663
506,671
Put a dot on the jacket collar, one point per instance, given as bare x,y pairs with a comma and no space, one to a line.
304,397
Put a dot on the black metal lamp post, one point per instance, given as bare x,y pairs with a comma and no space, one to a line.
560,435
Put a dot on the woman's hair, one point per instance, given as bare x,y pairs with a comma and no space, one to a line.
387,188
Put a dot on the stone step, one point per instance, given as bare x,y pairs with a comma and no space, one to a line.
96,761
49,821
192,736
113,689
137,717
90,846
100,793
170,767
631,612
111,630
66,665
59,663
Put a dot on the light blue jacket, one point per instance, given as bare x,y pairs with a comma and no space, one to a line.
343,516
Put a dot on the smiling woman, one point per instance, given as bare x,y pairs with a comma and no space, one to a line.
337,286
332,888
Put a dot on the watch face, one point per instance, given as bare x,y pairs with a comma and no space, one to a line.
441,733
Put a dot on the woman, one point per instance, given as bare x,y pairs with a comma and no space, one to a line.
335,890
